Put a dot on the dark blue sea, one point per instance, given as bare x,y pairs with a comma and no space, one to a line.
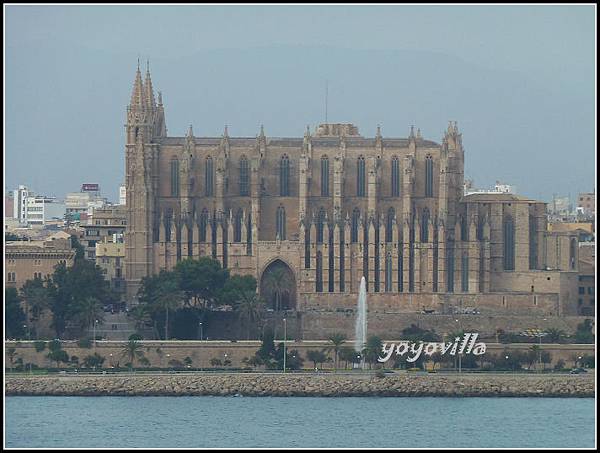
298,422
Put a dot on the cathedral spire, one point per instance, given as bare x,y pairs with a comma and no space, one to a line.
190,133
137,94
149,91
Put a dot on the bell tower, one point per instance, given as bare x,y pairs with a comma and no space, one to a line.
141,162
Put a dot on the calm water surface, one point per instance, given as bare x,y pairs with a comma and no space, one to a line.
298,422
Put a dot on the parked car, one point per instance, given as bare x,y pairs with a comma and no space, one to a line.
578,371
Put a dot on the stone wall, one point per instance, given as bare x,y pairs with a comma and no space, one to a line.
160,353
400,384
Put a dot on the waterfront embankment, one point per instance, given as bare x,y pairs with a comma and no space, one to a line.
327,385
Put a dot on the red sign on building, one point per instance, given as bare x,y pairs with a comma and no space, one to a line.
90,187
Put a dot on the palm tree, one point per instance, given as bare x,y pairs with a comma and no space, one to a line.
277,282
88,311
36,298
554,335
168,297
132,350
337,340
249,309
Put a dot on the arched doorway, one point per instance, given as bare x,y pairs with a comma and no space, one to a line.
278,286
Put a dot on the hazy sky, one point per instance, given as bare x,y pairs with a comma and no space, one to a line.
520,81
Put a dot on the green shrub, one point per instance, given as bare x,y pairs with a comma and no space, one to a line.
39,345
85,343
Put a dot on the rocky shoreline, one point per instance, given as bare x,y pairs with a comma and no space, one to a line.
326,385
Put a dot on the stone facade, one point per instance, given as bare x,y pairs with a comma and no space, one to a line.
26,260
331,207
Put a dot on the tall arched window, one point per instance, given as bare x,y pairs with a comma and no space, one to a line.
509,244
395,177
324,176
320,224
389,224
360,177
280,222
174,178
319,279
355,223
464,236
388,272
533,246
572,253
244,177
464,273
428,177
209,177
425,225
203,224
237,226
284,176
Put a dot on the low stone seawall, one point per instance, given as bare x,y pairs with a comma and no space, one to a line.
328,385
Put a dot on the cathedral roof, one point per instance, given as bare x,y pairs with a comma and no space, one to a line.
497,197
324,142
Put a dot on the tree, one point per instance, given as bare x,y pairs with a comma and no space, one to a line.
372,350
584,333
132,350
37,300
555,335
337,340
161,294
546,358
14,315
348,355
240,292
277,282
415,334
87,312
316,357
11,353
93,361
201,280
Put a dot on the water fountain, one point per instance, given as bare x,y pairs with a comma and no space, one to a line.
360,328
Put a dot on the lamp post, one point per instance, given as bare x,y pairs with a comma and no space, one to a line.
284,338
201,332
95,322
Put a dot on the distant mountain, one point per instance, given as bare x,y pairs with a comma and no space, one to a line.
66,109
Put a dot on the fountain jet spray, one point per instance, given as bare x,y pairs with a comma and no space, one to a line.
360,328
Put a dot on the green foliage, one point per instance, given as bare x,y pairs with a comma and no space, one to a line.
187,361
348,355
215,362
372,349
135,336
416,334
14,315
39,345
559,365
337,340
132,350
588,361
317,357
93,361
58,355
584,333
201,280
554,335
85,343
54,345
277,282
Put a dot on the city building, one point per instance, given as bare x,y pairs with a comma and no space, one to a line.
110,256
19,197
122,194
499,188
25,260
586,203
587,278
9,206
81,205
321,211
41,210
106,223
